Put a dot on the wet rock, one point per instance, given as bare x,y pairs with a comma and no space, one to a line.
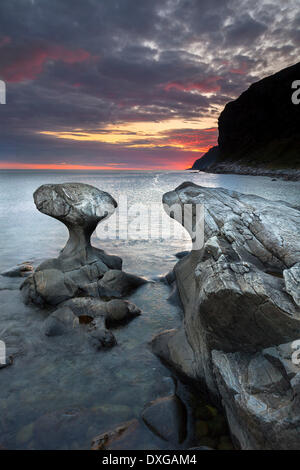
60,322
21,270
240,293
118,438
181,254
167,418
102,339
292,282
265,415
120,312
116,283
87,306
80,207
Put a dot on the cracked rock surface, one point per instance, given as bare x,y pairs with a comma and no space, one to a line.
240,293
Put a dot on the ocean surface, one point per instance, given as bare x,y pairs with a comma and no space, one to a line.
60,393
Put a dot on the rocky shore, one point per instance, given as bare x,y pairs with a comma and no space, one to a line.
238,342
84,285
239,169
240,294
258,133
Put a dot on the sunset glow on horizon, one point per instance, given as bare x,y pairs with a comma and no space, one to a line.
130,85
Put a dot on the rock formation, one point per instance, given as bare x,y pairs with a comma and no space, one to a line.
167,417
83,281
79,268
259,131
208,159
240,294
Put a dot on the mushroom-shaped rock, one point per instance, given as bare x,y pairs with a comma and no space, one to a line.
80,207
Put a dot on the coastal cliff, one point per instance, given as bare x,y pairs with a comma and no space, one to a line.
240,294
259,131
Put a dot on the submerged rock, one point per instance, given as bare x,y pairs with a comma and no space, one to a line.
102,339
240,293
167,417
21,270
122,437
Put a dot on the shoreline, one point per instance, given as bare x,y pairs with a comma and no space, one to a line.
232,168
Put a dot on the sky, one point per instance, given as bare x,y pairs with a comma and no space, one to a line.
131,84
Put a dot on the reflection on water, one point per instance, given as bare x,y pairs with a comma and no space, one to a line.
60,393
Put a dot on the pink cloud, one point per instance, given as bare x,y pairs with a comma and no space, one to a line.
5,40
207,85
241,69
23,63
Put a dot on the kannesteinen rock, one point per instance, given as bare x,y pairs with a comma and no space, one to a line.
240,294
259,131
82,277
80,267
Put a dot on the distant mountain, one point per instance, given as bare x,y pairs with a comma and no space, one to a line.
260,129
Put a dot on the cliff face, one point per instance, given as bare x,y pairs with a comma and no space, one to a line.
207,160
262,127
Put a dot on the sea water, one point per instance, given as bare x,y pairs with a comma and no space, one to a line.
60,393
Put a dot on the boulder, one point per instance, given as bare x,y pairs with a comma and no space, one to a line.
60,322
21,270
240,292
114,284
167,417
102,339
120,312
90,306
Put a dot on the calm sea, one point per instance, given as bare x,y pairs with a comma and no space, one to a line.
59,393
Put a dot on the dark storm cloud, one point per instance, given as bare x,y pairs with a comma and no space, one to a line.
72,65
244,31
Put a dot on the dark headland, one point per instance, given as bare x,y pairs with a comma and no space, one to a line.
259,132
